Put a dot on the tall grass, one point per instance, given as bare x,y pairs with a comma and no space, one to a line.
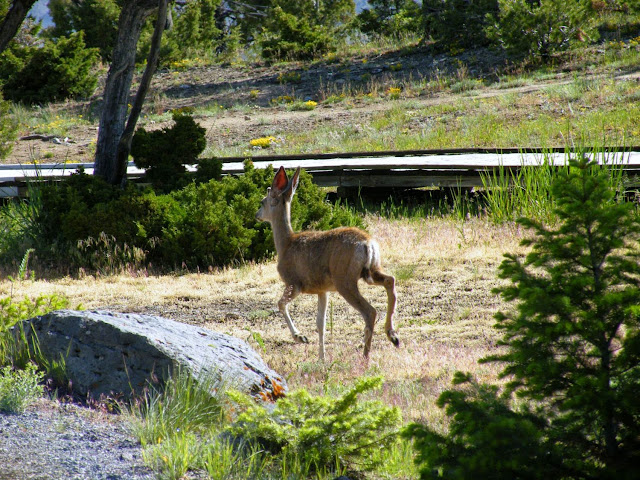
20,230
185,404
526,191
170,422
222,460
523,192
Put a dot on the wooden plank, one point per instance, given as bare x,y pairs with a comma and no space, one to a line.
412,153
474,161
345,170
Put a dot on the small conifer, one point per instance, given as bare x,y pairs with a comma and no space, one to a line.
572,351
574,339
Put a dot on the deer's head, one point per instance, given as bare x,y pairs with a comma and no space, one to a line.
278,195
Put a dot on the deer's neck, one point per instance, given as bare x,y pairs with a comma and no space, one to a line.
282,231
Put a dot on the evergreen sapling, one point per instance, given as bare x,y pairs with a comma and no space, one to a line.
572,353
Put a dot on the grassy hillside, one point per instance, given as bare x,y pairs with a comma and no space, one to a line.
376,98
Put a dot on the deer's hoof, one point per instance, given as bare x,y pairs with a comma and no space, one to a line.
393,338
300,338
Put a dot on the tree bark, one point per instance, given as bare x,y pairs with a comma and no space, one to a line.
124,146
11,23
111,158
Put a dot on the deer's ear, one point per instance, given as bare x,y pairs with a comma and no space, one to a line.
280,182
293,184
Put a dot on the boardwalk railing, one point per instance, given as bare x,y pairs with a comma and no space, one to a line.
406,169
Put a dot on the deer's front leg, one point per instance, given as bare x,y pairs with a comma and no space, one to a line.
290,292
321,321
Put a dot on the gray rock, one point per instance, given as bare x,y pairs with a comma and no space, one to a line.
114,353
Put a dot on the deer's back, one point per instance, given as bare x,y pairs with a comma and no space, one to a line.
315,260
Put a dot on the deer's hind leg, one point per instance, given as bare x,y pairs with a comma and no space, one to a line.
352,295
389,283
291,292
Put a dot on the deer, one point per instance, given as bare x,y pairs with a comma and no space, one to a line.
319,262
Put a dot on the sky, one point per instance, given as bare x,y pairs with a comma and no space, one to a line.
40,11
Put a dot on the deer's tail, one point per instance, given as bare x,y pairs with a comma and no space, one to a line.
372,261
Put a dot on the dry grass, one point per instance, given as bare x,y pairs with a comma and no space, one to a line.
445,273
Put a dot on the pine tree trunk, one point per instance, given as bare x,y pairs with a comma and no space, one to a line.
608,410
163,22
11,23
116,92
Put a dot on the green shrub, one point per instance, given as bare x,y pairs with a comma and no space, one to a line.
71,209
457,24
322,432
8,128
390,18
538,29
19,388
83,218
14,349
12,312
208,169
164,153
215,222
56,71
94,225
98,19
290,37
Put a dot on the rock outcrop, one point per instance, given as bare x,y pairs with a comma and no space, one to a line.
110,353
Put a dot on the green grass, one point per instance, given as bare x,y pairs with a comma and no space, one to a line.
405,272
185,404
191,425
587,112
19,388
48,120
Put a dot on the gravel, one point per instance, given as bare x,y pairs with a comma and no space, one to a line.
65,441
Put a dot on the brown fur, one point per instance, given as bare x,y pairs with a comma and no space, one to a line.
321,262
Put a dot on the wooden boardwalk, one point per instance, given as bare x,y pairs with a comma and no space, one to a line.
456,168
434,170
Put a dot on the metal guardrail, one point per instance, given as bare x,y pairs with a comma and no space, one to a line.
396,169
